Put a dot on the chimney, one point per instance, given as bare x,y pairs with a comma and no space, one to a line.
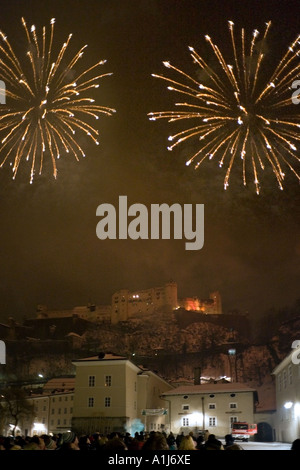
197,376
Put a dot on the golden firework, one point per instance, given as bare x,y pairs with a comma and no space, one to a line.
47,101
237,112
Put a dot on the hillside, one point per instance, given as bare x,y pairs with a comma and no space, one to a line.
161,344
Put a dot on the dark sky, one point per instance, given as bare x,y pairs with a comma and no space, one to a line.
49,251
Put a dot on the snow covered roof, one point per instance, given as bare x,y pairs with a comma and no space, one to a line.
209,388
102,357
60,383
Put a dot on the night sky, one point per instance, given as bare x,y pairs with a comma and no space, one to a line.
49,251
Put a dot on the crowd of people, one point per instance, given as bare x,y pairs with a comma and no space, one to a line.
118,442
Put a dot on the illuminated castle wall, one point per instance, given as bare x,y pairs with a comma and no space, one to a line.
126,304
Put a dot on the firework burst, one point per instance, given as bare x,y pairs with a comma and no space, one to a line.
47,102
236,112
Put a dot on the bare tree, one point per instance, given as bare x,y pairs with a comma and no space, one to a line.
14,406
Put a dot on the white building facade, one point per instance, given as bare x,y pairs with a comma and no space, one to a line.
212,407
287,377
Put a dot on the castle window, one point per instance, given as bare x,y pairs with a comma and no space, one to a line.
107,381
91,402
91,381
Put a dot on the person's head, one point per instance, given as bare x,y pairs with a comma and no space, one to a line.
213,444
50,443
296,445
31,446
68,441
234,447
39,441
187,443
115,445
156,441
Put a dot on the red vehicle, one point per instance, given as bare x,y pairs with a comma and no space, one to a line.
241,430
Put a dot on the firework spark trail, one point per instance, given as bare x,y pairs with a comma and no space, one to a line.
44,108
234,114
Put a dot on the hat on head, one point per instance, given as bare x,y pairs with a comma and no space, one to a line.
68,437
50,444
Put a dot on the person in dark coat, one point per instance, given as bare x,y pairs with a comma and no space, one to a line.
229,440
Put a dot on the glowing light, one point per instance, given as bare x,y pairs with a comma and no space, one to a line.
297,410
266,132
39,427
196,418
43,108
288,405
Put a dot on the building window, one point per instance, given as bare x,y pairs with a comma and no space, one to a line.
233,419
59,411
90,402
91,381
107,381
185,422
65,411
107,402
212,421
185,407
232,405
284,378
59,398
279,382
211,406
290,374
52,411
66,398
58,422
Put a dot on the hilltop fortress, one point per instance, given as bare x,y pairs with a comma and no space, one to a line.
128,304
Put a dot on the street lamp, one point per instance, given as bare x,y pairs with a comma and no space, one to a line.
232,360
